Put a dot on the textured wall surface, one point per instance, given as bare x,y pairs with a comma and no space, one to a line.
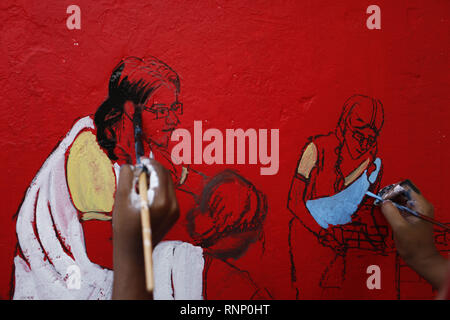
288,65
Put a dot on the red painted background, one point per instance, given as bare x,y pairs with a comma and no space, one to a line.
243,64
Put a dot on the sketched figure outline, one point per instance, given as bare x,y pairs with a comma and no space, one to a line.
343,157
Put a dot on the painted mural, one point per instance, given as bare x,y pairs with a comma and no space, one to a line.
273,120
77,183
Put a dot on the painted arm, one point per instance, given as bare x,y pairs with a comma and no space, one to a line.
413,237
325,213
302,188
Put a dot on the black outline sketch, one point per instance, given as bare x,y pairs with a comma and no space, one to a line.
245,225
134,79
357,234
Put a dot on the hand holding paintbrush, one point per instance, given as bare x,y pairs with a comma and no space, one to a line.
400,195
128,241
140,220
413,234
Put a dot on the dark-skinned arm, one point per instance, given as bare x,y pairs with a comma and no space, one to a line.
129,268
414,237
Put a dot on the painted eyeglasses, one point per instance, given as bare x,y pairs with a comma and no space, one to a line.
161,110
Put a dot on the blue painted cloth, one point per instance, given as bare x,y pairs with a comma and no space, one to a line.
339,208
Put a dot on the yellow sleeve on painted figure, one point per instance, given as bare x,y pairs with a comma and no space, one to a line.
308,160
90,175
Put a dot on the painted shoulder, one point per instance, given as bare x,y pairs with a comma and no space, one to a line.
90,175
308,160
311,153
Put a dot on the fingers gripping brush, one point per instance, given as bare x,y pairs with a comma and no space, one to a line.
410,211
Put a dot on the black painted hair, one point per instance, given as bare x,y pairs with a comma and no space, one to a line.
133,79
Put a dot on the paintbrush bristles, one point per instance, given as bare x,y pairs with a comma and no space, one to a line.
146,232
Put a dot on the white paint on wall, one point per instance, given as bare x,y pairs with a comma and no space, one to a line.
178,269
51,240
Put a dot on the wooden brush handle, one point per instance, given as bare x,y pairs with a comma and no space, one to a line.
146,232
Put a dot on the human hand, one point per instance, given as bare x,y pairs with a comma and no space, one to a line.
413,236
164,210
129,273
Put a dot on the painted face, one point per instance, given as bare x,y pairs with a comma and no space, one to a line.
160,116
360,135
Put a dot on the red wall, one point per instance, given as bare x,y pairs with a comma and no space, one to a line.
281,64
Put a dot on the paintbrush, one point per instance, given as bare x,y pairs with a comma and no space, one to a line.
145,211
410,211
